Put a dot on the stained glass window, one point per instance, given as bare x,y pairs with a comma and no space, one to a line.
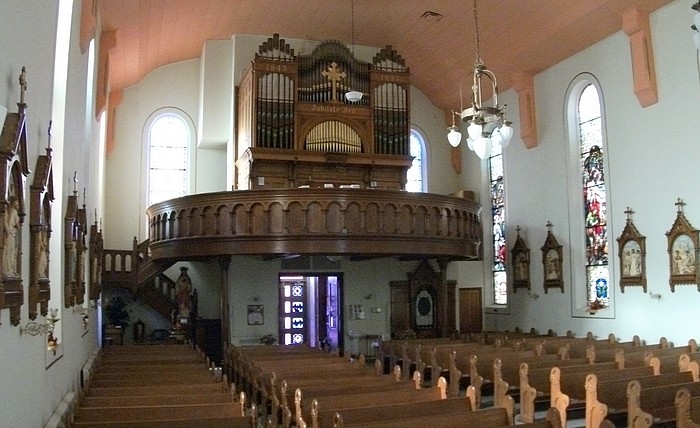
498,216
594,198
169,139
293,299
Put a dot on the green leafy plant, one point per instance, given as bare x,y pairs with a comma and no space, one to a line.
268,339
116,313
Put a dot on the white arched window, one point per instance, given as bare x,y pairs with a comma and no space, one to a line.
169,136
589,202
415,176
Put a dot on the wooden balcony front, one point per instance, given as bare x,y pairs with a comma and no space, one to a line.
353,222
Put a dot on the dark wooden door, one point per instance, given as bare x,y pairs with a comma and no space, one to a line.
470,310
400,309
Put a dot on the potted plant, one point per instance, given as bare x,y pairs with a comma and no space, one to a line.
268,339
116,313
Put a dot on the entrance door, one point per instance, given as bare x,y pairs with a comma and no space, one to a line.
470,311
309,308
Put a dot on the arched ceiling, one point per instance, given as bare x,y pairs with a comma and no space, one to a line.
435,37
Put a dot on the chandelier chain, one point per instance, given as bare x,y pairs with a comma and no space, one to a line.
476,34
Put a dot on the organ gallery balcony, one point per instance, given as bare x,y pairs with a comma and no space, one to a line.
343,221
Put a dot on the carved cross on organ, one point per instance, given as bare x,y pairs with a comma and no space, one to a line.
333,74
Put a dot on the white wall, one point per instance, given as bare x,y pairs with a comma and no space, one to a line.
35,381
652,155
253,281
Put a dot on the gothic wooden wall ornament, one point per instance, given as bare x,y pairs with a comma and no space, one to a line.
683,248
96,250
71,235
632,252
41,200
14,169
82,248
520,254
425,310
552,261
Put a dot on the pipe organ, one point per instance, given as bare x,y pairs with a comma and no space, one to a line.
296,129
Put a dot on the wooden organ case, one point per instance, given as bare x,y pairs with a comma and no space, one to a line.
296,129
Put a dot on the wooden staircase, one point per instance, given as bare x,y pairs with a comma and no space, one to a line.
136,271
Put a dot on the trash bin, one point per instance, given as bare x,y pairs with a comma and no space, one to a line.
139,331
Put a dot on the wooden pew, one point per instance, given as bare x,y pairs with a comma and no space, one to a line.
687,409
647,406
305,411
322,386
381,412
602,396
159,386
480,367
194,415
541,381
150,390
267,385
493,417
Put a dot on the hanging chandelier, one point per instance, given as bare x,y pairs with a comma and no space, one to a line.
487,123
352,95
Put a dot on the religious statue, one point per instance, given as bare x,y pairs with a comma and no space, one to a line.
43,256
11,241
183,285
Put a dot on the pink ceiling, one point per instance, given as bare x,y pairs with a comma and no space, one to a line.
515,35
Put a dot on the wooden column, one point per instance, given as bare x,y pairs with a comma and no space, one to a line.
224,262
444,327
524,85
635,23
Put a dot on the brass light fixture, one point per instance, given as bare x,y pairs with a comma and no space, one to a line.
487,124
33,328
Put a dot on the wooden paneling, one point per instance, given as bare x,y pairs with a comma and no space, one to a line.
367,222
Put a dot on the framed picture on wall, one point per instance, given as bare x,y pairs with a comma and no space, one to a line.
632,252
552,262
683,247
520,254
256,315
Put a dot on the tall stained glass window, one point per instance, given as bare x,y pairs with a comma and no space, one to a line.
498,220
169,140
594,197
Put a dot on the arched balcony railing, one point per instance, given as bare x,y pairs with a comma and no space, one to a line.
366,222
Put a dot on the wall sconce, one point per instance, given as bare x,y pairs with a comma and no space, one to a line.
51,343
34,329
